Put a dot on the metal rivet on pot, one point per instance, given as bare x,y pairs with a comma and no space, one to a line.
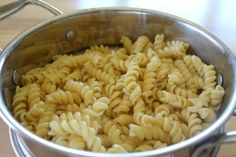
220,79
70,35
16,78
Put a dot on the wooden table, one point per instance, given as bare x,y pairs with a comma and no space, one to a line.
217,15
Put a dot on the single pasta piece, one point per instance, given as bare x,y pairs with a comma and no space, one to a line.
34,94
187,93
209,77
175,78
61,140
42,127
76,141
124,119
127,43
98,107
113,94
48,87
101,49
174,100
60,97
19,103
112,130
207,114
174,130
124,106
149,76
158,42
139,44
34,112
76,126
148,133
131,86
217,95
194,122
80,89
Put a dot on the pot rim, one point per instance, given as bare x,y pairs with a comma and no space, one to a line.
13,123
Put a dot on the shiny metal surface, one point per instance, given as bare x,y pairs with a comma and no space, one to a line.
21,149
105,26
212,141
11,8
205,149
70,35
19,146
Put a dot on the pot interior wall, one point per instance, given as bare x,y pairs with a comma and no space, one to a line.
106,27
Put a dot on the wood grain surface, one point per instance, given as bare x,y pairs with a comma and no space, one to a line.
219,16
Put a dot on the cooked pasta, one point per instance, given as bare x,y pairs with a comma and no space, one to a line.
142,96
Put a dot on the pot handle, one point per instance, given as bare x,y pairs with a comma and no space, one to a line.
11,8
224,138
216,140
234,113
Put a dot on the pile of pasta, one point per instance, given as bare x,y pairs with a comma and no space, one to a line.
142,96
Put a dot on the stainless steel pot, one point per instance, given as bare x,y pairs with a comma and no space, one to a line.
78,30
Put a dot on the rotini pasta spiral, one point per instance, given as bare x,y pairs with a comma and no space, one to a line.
61,140
174,49
207,114
80,89
131,86
187,93
158,42
101,48
174,100
124,106
139,44
175,78
76,126
60,97
76,141
113,95
217,95
34,75
20,103
34,94
198,64
96,87
42,128
149,76
182,67
48,87
127,43
119,64
189,63
75,76
98,73
174,130
35,111
209,77
112,131
98,107
194,123
147,133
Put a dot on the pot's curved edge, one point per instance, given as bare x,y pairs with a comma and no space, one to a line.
8,118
